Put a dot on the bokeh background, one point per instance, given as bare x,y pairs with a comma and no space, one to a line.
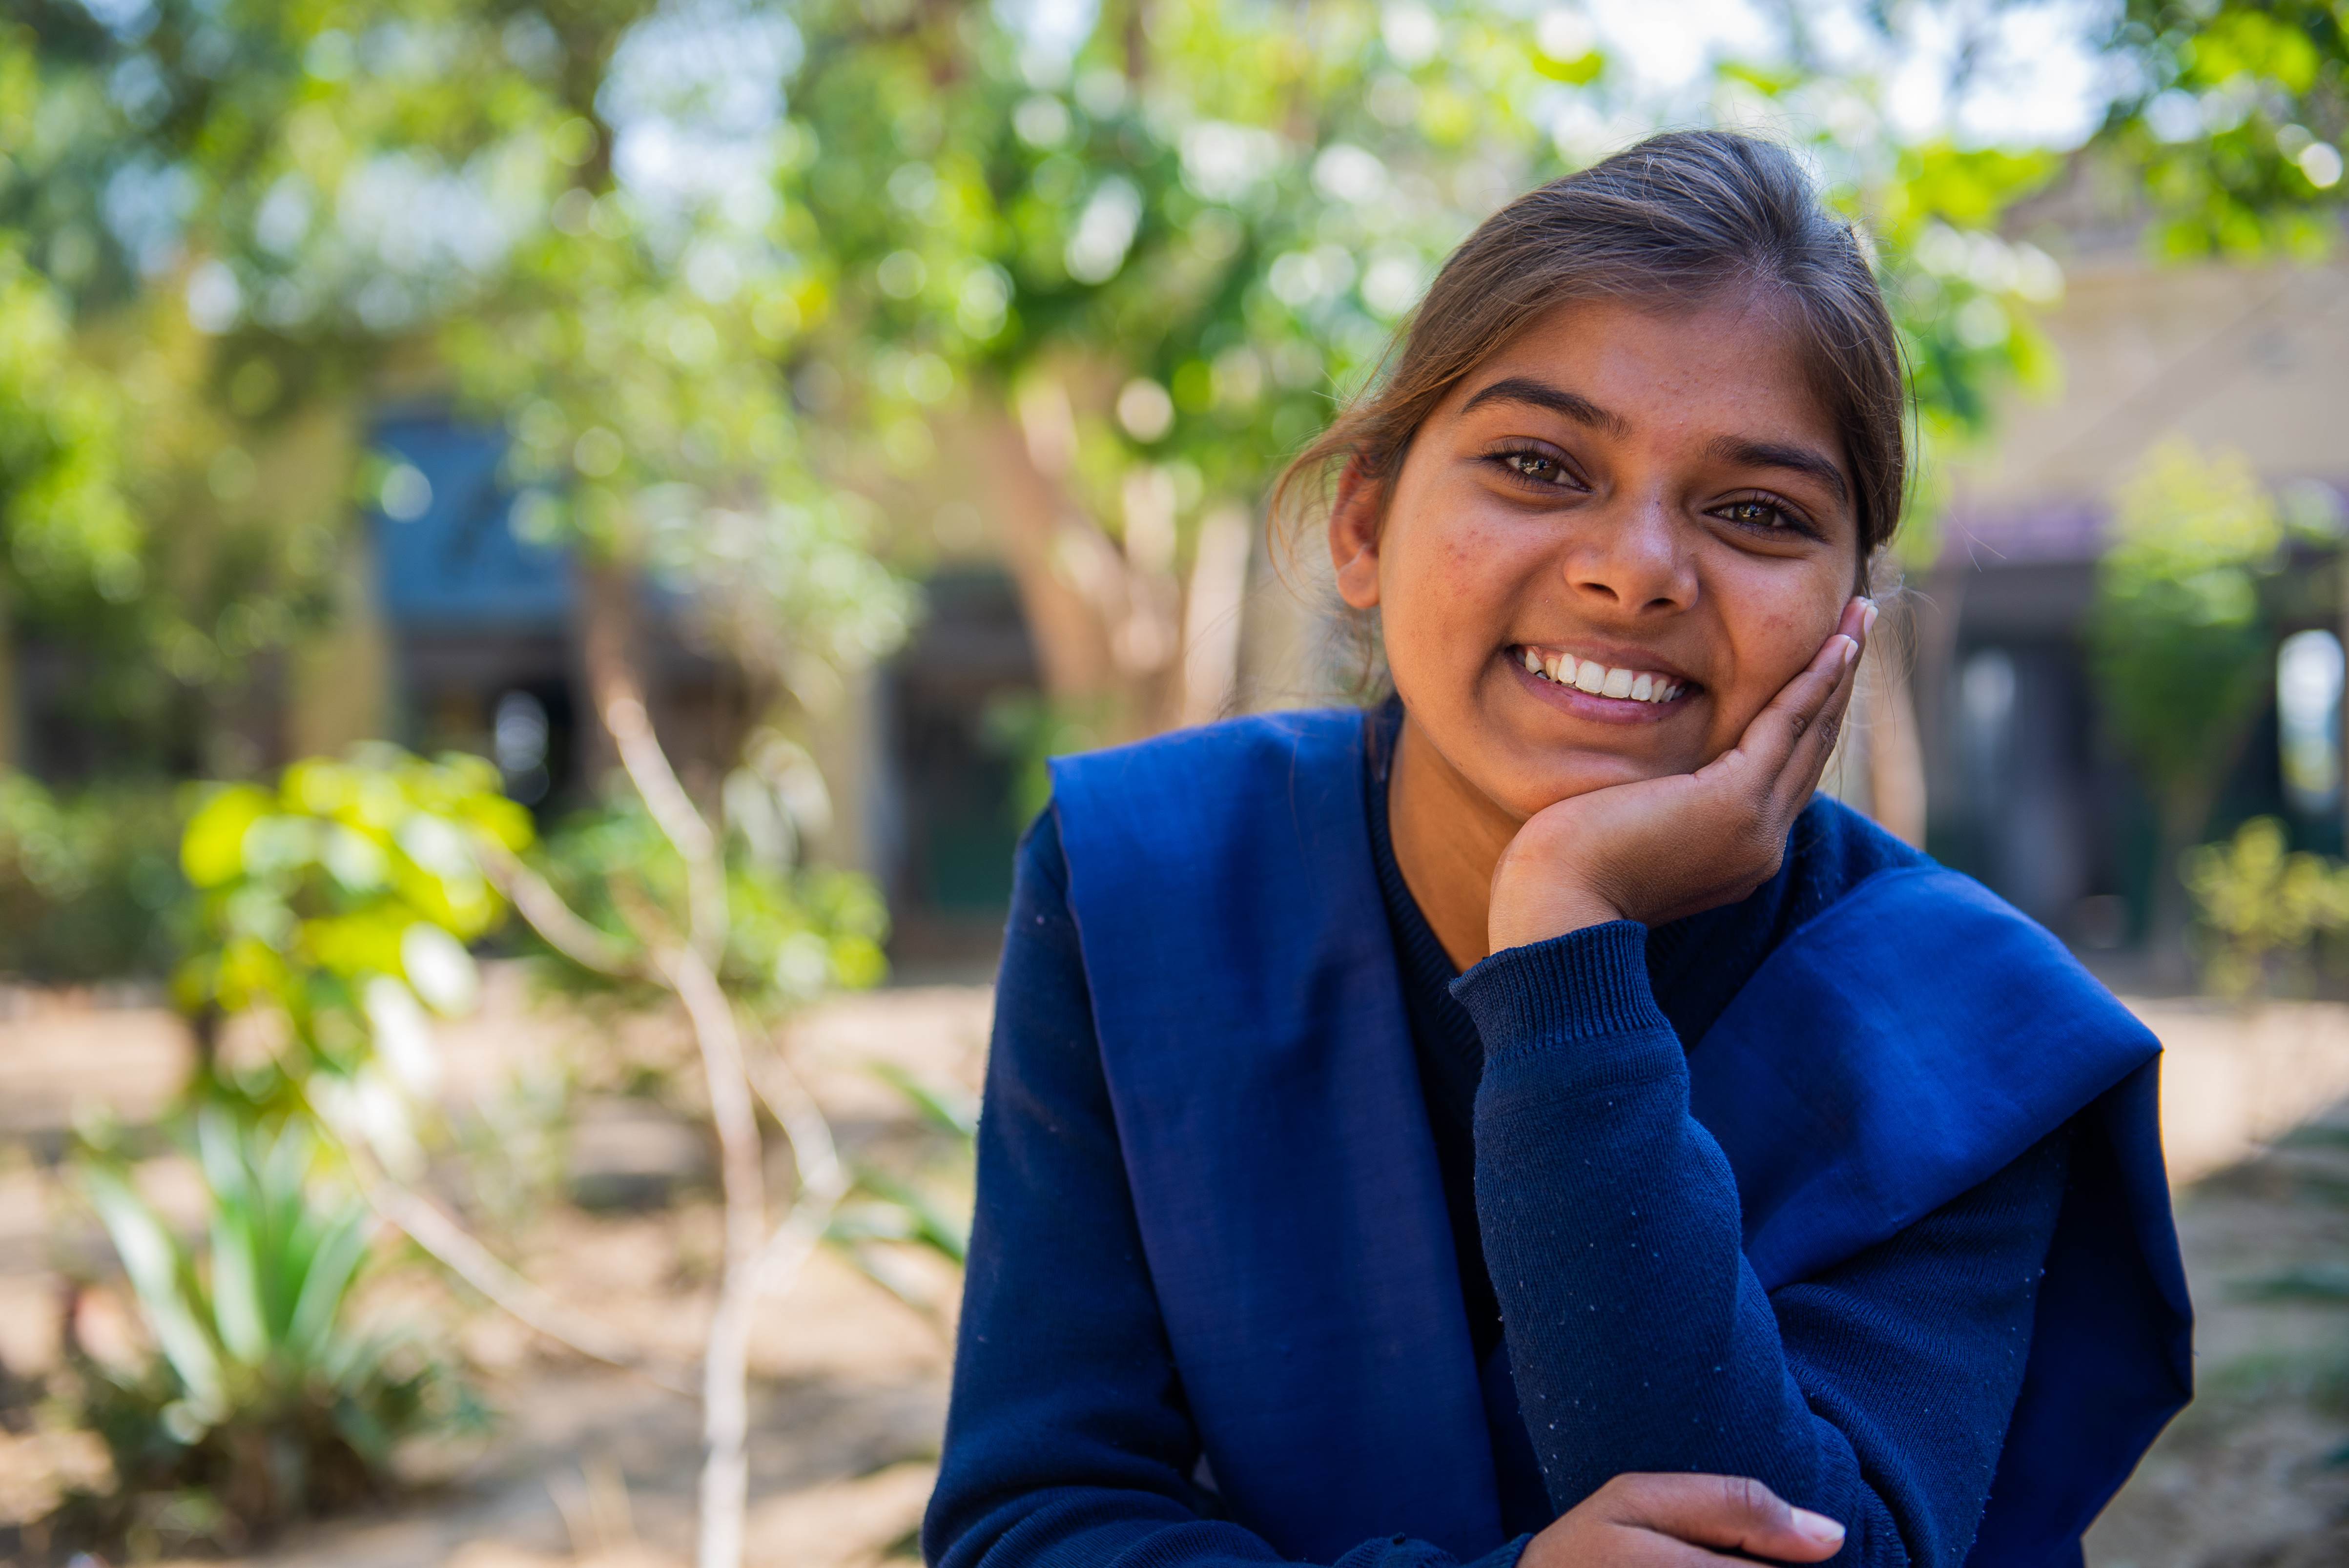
543,545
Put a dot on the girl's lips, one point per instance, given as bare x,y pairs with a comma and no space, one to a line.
1590,705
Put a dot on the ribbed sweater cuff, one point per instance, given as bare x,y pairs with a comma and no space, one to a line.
1587,984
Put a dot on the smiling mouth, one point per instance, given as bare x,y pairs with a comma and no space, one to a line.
1587,675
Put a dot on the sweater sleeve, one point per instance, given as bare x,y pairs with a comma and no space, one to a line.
1641,1340
1068,1441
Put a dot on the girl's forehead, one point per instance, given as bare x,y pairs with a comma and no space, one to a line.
1631,364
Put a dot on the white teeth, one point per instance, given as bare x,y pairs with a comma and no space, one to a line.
1588,675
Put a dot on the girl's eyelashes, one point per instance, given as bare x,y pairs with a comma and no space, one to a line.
1765,515
1534,467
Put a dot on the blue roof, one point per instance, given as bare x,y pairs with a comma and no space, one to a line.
458,566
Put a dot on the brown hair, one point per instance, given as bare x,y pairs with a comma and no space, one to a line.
1680,220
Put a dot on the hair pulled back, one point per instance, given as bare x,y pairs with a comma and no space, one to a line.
1678,221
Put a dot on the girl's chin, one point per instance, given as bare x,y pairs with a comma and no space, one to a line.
1550,776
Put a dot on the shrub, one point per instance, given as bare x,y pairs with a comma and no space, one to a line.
87,880
795,932
2262,910
262,1402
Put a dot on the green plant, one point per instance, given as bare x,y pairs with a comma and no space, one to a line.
2178,635
263,1401
885,1211
341,903
795,932
1029,731
2261,908
89,879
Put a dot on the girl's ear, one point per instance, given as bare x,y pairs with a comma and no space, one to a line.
1354,518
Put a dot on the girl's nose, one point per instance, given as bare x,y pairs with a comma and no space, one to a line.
1632,557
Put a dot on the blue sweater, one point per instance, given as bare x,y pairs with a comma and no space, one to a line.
1599,1218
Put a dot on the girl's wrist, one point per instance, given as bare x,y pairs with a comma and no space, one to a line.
1587,983
1555,911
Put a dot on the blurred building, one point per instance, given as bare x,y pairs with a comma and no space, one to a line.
458,631
2024,790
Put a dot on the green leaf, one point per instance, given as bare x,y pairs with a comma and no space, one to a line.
212,850
159,1278
341,1251
927,1222
952,1112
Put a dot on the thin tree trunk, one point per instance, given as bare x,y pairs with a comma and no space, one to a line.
1040,536
610,654
1210,614
725,1375
1896,759
2183,813
610,646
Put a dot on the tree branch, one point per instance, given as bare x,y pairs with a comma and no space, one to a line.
725,1475
673,813
544,911
822,1179
423,1222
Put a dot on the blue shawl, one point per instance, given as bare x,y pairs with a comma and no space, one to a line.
1898,1049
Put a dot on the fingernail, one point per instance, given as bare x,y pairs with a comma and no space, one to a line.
1867,618
1816,1527
1850,649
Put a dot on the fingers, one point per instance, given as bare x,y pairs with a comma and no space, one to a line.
1808,758
1730,1513
1811,702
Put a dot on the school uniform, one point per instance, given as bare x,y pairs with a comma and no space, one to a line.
1292,1244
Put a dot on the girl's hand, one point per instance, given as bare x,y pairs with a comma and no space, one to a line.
1677,1522
1660,849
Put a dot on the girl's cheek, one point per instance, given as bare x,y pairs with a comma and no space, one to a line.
1770,642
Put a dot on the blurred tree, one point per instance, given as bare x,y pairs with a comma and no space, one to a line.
1131,267
2179,640
140,528
2233,136
742,280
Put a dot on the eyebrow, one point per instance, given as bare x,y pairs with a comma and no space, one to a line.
1778,454
1556,399
1738,450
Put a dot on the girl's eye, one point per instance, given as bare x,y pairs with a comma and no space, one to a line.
1534,467
1763,516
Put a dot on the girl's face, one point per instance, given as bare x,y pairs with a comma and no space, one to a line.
1649,507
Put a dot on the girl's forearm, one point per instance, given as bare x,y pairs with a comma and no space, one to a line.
1639,1337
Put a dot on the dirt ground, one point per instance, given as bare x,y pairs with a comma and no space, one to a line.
591,1466
585,1463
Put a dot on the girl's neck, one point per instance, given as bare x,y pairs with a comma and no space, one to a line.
1448,835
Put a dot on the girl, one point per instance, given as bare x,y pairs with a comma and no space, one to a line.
1520,1124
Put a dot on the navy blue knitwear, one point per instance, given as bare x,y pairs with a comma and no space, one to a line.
1598,1233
